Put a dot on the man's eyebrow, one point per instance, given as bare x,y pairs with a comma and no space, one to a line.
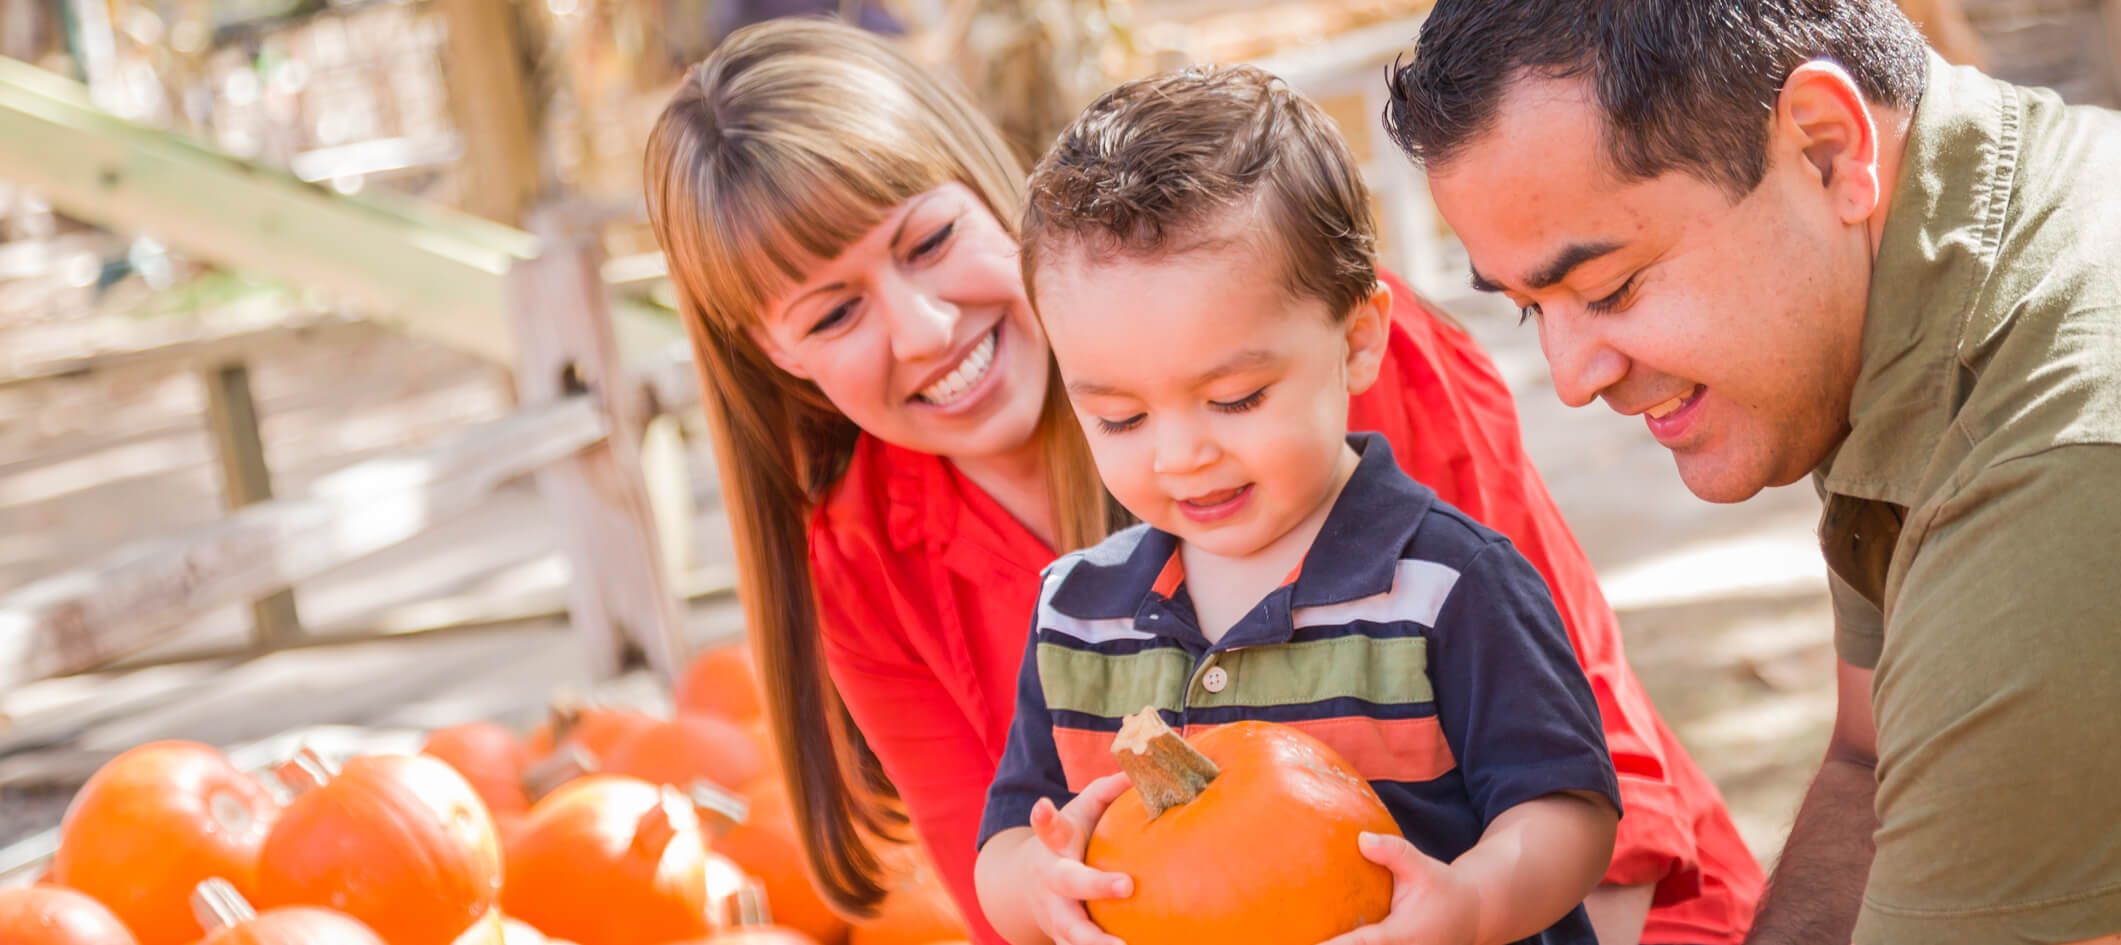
1575,254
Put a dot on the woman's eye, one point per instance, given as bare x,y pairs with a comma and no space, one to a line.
1120,426
934,241
838,314
1241,404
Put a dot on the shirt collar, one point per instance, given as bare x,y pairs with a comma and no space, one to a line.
1355,555
1935,255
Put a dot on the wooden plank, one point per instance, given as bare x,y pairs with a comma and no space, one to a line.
85,617
179,348
492,111
619,593
232,421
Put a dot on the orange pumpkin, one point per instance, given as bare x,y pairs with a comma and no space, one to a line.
765,845
722,682
400,842
229,920
610,860
689,748
1245,837
488,755
156,821
596,729
749,922
917,911
53,915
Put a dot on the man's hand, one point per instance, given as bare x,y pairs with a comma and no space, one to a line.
1430,906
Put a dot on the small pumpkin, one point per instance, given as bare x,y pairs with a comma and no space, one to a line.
153,823
596,729
750,923
610,860
690,748
490,757
229,920
54,915
766,846
400,842
722,682
1247,836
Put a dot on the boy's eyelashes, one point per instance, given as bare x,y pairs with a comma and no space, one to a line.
1248,402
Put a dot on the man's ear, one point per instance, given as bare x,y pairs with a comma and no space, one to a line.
1822,118
775,353
1369,331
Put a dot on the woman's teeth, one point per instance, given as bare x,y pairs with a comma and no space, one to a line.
1665,409
968,372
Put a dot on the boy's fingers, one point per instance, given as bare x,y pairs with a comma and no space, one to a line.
1070,879
1072,926
1055,831
1407,864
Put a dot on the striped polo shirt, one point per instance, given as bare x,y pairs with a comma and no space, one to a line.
1413,640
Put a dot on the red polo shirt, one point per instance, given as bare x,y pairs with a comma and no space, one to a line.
926,587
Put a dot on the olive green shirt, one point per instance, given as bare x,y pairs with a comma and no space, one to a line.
1973,523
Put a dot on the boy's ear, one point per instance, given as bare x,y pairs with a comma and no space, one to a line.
1369,330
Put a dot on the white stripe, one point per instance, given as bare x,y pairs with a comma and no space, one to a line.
1419,589
1103,630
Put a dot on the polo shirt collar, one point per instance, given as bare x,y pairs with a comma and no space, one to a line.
1355,555
1935,255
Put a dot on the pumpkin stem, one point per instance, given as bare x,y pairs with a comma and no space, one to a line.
660,824
305,772
746,908
218,905
726,810
1167,771
565,764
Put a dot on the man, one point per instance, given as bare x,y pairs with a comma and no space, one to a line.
1796,242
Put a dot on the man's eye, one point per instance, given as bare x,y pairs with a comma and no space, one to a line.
1527,313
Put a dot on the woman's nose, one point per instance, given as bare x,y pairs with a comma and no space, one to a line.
1582,362
923,324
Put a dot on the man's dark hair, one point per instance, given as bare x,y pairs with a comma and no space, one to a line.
1684,85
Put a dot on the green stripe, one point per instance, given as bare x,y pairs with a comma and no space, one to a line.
1112,685
1391,671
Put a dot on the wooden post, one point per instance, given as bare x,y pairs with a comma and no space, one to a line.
489,96
619,593
232,418
2110,11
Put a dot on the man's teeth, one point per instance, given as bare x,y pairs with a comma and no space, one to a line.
968,372
1665,409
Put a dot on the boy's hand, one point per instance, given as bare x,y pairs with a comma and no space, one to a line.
1063,881
1430,904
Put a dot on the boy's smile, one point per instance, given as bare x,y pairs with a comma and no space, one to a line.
1215,404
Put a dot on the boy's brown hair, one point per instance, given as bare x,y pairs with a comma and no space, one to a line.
1177,162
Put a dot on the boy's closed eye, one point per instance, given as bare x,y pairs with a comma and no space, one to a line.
1123,424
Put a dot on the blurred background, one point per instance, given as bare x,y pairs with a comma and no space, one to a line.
277,459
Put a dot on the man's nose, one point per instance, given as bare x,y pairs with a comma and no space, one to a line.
1583,363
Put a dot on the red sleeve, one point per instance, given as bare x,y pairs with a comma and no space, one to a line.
939,765
1452,422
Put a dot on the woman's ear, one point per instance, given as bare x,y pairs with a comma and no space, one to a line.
1369,331
1821,116
775,353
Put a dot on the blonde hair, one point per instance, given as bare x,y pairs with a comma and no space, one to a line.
789,142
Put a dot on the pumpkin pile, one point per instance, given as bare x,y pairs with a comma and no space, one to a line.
606,825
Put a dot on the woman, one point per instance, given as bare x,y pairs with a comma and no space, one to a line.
898,464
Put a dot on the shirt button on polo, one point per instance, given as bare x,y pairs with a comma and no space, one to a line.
1216,679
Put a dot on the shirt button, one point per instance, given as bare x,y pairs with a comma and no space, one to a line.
1216,679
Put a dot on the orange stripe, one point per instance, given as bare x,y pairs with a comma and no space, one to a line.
1173,574
1380,749
1085,756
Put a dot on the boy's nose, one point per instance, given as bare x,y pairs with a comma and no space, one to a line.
1183,447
